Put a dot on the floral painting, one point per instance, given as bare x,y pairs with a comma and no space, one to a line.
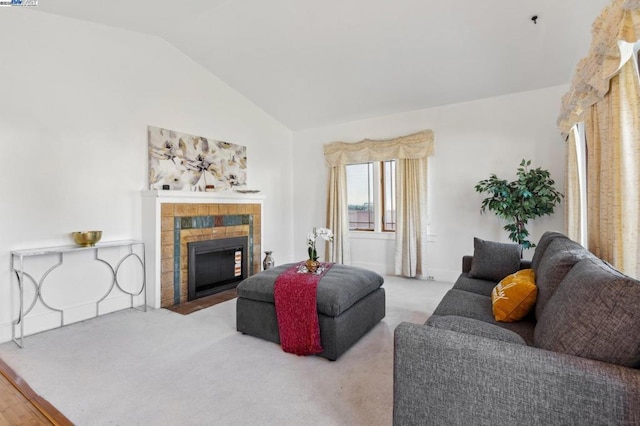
194,163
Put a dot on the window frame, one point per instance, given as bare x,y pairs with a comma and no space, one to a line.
378,184
371,174
383,192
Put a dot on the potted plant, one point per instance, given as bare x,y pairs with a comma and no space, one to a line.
327,235
530,196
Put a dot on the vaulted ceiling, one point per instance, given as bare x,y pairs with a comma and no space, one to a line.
312,63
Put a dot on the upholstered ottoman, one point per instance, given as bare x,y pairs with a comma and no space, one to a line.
350,302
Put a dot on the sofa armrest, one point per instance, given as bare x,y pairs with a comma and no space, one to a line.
525,264
448,378
468,259
466,263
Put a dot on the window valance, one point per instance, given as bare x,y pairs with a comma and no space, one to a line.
613,31
416,145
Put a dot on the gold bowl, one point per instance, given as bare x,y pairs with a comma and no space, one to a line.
87,238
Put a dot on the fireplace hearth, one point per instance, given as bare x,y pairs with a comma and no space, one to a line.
216,265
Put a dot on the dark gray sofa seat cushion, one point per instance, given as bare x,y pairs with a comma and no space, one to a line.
493,261
595,313
338,290
475,327
472,305
474,285
542,245
559,257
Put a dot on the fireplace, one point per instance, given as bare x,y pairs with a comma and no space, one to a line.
173,219
216,265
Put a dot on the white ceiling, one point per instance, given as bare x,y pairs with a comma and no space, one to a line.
312,63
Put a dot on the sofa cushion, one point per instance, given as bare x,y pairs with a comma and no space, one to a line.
595,313
474,285
475,327
471,305
493,260
514,296
542,245
559,257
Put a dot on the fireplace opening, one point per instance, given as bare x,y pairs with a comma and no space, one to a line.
216,265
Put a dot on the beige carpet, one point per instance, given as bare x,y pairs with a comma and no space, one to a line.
160,367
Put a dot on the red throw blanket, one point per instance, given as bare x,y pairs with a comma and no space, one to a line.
295,299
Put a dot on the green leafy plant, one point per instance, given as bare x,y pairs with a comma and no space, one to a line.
530,196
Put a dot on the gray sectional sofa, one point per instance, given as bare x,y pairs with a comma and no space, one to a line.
574,360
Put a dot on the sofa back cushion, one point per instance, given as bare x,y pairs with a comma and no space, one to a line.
595,313
493,261
558,258
542,245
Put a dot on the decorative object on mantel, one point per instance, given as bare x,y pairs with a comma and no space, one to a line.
247,191
312,263
86,238
268,261
530,196
194,163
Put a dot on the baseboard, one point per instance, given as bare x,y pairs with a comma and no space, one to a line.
375,267
49,320
442,275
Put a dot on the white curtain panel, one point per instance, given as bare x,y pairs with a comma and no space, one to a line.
411,216
605,95
613,173
338,216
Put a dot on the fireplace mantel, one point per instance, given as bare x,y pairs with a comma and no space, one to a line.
202,208
222,197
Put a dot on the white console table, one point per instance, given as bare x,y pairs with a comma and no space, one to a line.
17,265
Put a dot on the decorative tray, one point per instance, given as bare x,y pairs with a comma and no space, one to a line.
247,191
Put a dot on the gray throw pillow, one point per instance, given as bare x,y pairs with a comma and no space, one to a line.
595,314
494,261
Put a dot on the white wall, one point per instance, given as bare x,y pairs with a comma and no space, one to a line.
75,101
472,140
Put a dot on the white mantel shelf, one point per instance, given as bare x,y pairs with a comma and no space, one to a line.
224,197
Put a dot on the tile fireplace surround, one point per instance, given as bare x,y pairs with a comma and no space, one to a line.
171,219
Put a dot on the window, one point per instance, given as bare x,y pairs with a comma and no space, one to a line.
576,193
637,57
360,197
371,196
389,198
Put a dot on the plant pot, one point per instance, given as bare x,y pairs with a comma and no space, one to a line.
312,265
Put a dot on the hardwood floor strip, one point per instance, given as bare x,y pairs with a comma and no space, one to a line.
204,302
21,405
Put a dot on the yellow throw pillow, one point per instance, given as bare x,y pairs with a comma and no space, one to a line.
514,296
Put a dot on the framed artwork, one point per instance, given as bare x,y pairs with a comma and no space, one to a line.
194,163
